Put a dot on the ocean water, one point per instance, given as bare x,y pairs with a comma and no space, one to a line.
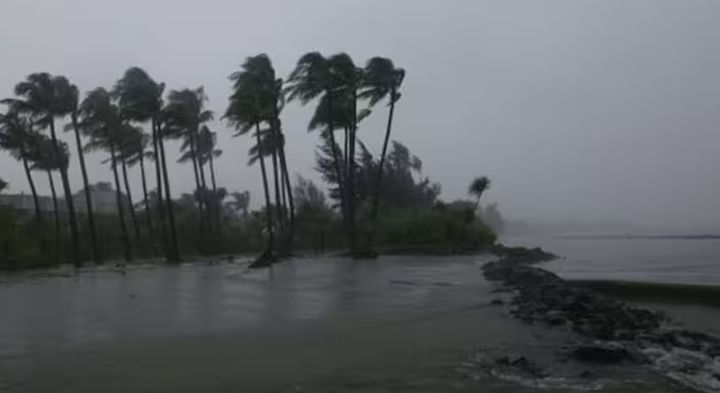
660,260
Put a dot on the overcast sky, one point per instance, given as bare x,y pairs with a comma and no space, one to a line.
577,110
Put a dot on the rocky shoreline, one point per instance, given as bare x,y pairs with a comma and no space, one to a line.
610,330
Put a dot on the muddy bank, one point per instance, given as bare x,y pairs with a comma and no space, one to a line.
612,331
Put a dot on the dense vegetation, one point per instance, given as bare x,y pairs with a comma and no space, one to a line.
131,123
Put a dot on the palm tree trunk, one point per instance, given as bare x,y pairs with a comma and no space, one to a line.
209,204
378,182
200,192
276,179
288,187
211,164
74,234
146,201
271,239
131,205
56,212
173,253
336,156
97,257
33,190
351,178
160,202
118,200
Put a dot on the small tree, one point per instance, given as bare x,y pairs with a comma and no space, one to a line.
478,187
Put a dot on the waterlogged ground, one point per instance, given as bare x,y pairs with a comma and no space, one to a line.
405,324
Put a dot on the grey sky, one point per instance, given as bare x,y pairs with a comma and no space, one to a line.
576,109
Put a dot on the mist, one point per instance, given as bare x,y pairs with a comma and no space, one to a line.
577,110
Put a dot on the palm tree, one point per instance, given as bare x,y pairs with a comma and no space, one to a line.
207,152
382,79
184,115
128,136
45,97
136,149
478,187
140,100
336,80
100,120
240,202
15,137
250,105
44,159
70,92
313,78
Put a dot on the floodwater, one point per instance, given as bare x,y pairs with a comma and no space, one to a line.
397,324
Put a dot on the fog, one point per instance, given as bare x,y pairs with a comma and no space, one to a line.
577,110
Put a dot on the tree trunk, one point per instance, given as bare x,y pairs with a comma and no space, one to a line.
200,192
160,201
74,234
288,187
209,200
378,182
97,257
118,200
271,239
56,212
276,179
214,188
33,190
146,201
131,205
336,157
173,253
351,178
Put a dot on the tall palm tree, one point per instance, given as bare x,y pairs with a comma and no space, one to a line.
136,148
140,100
478,187
128,136
46,97
15,137
336,80
44,159
250,105
184,115
382,79
100,120
70,94
207,152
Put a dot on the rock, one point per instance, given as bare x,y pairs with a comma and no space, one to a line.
601,353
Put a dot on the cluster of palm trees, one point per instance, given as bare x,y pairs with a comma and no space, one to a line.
340,88
112,122
132,121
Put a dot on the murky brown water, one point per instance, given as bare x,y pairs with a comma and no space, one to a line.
405,324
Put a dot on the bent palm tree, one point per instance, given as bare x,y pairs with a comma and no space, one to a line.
136,148
100,121
46,97
382,79
478,187
250,105
15,137
140,100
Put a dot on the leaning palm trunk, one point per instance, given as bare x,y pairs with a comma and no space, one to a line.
214,188
131,205
160,202
88,199
33,190
72,218
276,179
146,201
288,187
201,203
56,212
173,253
336,156
271,239
381,167
351,178
209,204
118,199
